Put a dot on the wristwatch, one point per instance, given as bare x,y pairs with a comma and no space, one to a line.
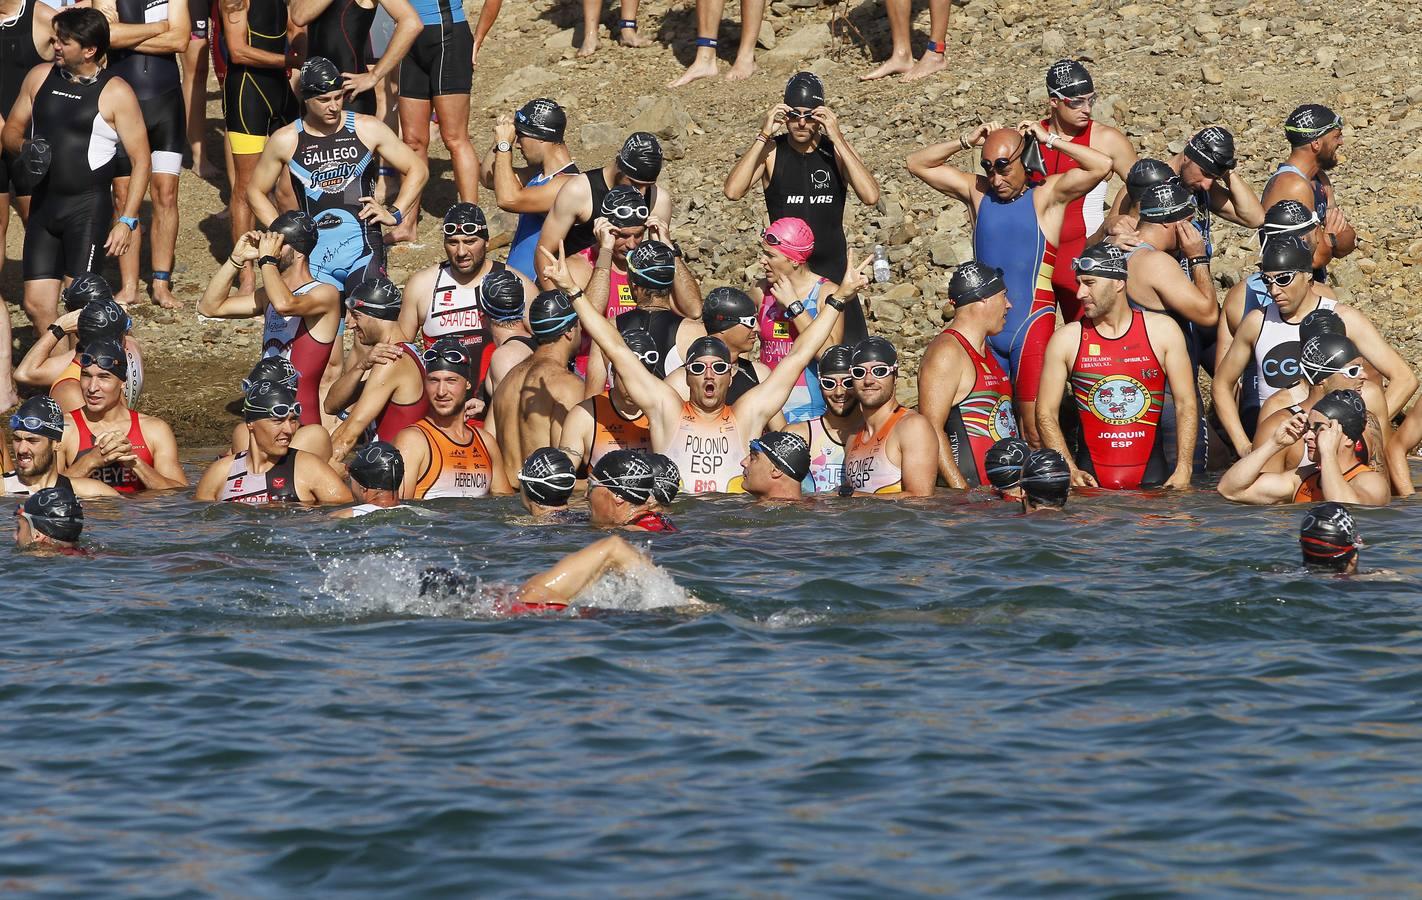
130,221
1332,241
835,302
1199,261
395,211
268,260
676,250
55,330
503,147
794,310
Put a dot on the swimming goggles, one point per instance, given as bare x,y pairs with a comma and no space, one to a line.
828,383
451,356
881,370
1283,279
34,424
281,410
717,368
627,213
107,363
1002,164
473,229
1079,102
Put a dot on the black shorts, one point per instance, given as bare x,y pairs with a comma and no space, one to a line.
166,118
255,103
66,234
438,63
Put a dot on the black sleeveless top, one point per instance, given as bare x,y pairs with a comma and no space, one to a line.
149,74
580,236
663,325
66,113
342,34
809,186
17,53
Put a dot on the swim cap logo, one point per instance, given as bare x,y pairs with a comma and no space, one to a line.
1119,400
1280,367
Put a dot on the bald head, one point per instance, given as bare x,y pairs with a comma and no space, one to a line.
1002,143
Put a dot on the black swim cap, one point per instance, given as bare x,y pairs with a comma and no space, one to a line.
1287,217
107,355
1212,149
1004,460
836,360
1103,260
501,296
727,307
318,76
668,478
974,281
1068,78
1321,321
1046,478
624,207
541,119
1324,355
551,316
55,513
1328,537
708,346
448,355
378,466
640,341
262,397
297,230
874,349
85,288
1146,173
1169,201
1347,409
641,157
466,213
1309,123
788,452
102,320
804,90
651,265
1285,253
39,415
378,298
627,473
272,368
547,477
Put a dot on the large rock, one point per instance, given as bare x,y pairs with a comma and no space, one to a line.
602,134
520,85
666,117
803,43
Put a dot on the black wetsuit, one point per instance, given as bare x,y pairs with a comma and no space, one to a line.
157,83
743,379
342,34
17,57
256,101
809,186
73,207
663,325
580,236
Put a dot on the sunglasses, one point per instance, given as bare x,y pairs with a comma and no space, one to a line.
799,115
699,368
1283,279
451,356
627,213
32,424
878,371
1001,165
473,229
284,410
108,363
834,384
1079,102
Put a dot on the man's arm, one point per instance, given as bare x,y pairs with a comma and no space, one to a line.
419,294
213,479
1175,359
44,362
1406,437
1056,366
166,473
1247,482
239,48
280,146
918,456
499,479
303,12
510,190
17,118
1401,382
373,399
851,167
574,437
930,165
397,154
407,28
414,450
568,577
120,109
1233,199
217,302
177,32
319,480
91,489
574,196
1093,167
756,162
939,390
1226,380
1178,293
1368,488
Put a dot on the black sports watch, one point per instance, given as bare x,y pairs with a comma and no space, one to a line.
1199,261
794,310
834,301
55,330
268,261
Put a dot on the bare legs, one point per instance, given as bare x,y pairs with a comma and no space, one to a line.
592,13
243,165
453,113
900,61
195,99
8,397
708,24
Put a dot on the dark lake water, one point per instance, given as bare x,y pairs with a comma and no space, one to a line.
1145,697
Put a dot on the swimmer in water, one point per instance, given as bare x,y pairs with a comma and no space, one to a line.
556,587
1046,481
36,430
51,518
546,481
1329,540
376,474
668,479
1003,464
776,465
620,489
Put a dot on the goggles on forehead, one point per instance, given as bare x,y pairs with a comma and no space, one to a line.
471,229
449,355
32,424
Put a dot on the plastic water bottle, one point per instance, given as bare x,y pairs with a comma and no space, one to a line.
881,265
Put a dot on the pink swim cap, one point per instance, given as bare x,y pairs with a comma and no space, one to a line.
792,237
